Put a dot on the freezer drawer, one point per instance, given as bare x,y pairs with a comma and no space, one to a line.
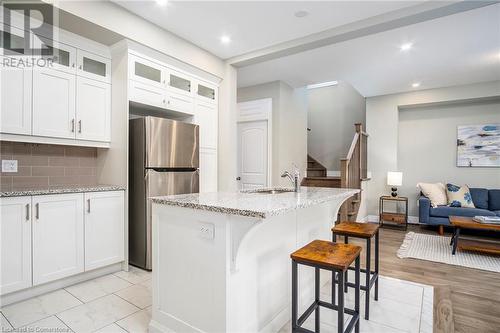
170,183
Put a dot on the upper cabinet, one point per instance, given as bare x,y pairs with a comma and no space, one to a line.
148,72
180,83
93,66
15,103
65,99
206,92
13,42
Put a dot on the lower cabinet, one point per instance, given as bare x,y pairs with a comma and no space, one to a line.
104,229
48,237
58,232
15,244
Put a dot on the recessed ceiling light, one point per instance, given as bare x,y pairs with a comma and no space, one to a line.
225,39
161,2
415,84
323,84
406,46
301,13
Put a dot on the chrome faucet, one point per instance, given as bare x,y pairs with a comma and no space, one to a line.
295,179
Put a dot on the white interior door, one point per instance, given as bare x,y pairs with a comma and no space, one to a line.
252,154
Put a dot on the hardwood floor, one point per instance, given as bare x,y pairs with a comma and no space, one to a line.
474,295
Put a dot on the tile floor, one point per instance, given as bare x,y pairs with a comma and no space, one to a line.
121,302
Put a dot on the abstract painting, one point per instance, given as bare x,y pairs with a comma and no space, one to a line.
478,145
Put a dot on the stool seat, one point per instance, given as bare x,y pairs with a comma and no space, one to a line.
356,229
327,254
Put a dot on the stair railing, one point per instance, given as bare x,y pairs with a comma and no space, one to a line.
354,169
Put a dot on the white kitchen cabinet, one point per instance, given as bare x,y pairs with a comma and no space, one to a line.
180,102
147,72
15,245
54,103
104,228
15,108
147,94
59,55
13,42
208,170
180,83
58,236
206,92
93,110
206,116
93,66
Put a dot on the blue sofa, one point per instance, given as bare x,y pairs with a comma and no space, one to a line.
487,203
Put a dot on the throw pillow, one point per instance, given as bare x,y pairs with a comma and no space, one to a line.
435,192
459,196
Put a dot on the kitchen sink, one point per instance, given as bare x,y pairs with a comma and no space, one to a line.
273,191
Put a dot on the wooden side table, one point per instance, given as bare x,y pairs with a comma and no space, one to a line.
396,218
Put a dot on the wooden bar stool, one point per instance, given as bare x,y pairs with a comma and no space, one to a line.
333,257
365,231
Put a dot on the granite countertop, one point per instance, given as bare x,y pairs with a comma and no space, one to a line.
63,189
253,204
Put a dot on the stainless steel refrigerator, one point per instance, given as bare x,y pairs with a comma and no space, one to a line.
163,160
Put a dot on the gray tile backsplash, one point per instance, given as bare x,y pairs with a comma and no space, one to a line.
43,166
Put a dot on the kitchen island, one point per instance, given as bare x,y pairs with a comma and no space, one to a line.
221,261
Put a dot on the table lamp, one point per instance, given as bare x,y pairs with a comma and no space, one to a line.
394,178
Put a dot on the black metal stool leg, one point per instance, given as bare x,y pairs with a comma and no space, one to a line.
294,296
376,263
316,298
346,241
356,292
340,311
367,278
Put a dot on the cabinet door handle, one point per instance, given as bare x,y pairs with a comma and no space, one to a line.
80,67
72,125
79,126
88,205
163,101
37,211
27,212
73,65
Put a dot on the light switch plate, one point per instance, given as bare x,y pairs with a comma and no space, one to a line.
9,165
207,230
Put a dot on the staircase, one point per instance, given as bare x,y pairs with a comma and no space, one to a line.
353,170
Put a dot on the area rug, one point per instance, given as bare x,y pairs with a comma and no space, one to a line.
438,249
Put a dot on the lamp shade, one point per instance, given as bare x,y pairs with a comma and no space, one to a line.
394,178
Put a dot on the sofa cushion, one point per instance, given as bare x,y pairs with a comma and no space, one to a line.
446,211
479,197
459,196
435,192
494,199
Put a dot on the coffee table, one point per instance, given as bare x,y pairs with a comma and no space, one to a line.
460,222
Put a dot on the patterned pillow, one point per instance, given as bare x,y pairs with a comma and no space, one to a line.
459,196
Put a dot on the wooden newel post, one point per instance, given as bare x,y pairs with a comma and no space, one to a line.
359,127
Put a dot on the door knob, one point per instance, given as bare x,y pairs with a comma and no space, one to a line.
238,178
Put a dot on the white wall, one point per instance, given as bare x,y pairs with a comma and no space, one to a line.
332,113
289,125
428,145
382,122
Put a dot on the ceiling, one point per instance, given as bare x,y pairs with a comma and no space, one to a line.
457,49
254,25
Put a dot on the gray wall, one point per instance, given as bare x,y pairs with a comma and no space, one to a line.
289,125
332,113
427,146
382,124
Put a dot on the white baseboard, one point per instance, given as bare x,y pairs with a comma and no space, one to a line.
24,294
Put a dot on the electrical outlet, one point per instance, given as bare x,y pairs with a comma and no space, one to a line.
207,230
9,165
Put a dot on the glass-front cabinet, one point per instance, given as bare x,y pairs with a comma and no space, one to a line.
58,55
94,67
206,92
147,72
180,83
13,42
